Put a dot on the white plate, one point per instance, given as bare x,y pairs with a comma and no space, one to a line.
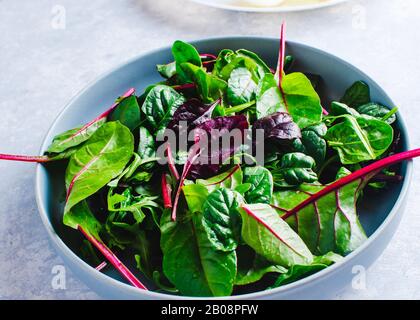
287,5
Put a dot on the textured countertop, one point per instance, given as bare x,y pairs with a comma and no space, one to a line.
44,62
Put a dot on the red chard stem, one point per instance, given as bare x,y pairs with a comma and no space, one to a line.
359,174
112,258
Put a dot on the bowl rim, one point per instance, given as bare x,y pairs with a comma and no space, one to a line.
270,9
105,279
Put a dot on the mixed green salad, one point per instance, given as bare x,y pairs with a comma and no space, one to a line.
217,229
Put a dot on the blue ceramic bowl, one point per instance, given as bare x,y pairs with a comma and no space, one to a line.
380,213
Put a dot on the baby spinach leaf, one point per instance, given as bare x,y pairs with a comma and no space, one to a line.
210,87
359,139
271,237
241,87
224,58
80,215
357,95
268,97
190,261
297,168
185,53
127,112
220,218
330,223
261,184
261,65
146,147
297,272
167,70
98,161
312,143
339,109
160,104
302,101
378,111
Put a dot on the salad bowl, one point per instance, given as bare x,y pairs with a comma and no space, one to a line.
266,6
380,212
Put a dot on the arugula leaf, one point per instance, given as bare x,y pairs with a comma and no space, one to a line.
268,97
359,139
357,95
185,53
160,105
127,202
190,261
302,101
241,87
127,112
261,184
98,161
271,237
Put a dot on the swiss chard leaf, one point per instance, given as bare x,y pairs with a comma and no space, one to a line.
190,261
127,112
73,137
357,95
330,223
359,139
97,162
261,184
230,179
160,105
271,237
302,101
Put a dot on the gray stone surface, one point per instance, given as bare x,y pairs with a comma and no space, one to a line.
42,68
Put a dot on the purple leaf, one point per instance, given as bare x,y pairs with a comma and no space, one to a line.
279,127
213,157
